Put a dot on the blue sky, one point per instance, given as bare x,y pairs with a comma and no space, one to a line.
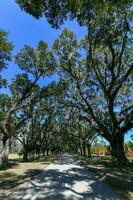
24,29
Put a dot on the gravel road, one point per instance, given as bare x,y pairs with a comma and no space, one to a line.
64,180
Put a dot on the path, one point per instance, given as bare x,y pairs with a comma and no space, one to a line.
64,180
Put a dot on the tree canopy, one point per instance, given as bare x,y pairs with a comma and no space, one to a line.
93,94
84,11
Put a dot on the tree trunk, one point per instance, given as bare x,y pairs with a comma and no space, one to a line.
81,152
47,151
89,150
25,154
117,149
84,150
43,153
6,150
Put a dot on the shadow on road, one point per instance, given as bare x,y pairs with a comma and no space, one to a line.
64,180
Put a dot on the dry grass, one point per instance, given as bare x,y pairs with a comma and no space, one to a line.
120,179
18,172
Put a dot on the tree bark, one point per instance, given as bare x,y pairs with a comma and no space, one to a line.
84,149
117,149
47,151
6,150
89,150
81,152
25,154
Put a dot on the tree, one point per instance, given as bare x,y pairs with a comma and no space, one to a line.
37,133
57,12
77,132
5,49
106,73
5,54
101,84
36,63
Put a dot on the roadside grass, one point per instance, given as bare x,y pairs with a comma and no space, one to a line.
120,179
17,172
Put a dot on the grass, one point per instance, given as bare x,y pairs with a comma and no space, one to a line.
18,172
120,179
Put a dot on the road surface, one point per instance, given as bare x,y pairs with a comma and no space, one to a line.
64,180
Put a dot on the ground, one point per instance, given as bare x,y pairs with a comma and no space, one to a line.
65,179
120,179
18,172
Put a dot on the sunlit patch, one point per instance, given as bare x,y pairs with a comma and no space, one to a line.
71,194
81,186
27,196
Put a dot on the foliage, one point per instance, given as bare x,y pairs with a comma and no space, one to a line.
100,85
129,146
83,11
5,50
25,90
93,94
5,54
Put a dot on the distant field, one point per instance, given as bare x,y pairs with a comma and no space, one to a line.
14,156
18,172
